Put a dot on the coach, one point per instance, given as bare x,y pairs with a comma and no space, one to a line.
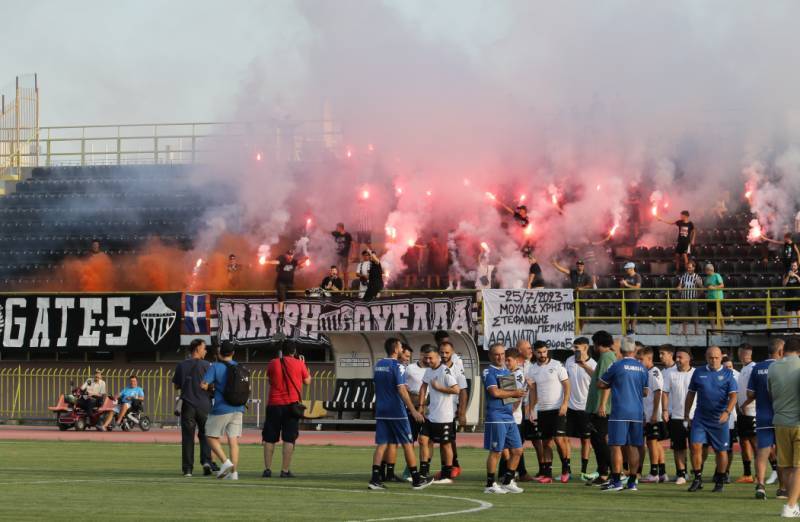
783,381
195,405
715,388
287,374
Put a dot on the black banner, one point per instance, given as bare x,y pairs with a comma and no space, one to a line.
251,320
90,322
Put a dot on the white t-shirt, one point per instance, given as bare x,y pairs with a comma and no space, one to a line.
95,388
414,373
655,382
548,379
676,384
733,416
441,408
526,367
742,381
522,384
578,382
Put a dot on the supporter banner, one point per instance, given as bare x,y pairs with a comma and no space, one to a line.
536,315
90,322
251,320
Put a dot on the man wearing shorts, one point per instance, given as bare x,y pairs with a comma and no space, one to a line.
392,404
654,428
549,391
783,382
758,392
440,385
580,368
715,389
224,418
676,386
626,380
500,431
746,414
287,375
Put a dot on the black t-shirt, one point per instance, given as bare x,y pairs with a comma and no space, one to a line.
579,280
538,280
332,282
188,376
375,275
286,270
521,220
684,231
788,254
343,242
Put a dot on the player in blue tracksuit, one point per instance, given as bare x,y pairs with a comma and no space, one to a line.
758,391
626,380
392,404
500,432
715,388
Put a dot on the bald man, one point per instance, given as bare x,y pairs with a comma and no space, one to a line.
715,388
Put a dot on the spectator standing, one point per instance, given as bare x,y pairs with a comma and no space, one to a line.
287,374
411,259
633,282
579,280
714,294
783,381
686,236
604,351
437,262
287,265
689,284
676,387
789,251
195,405
792,282
224,418
373,277
234,270
535,279
332,282
344,244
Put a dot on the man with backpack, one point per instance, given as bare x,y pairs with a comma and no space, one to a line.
287,374
194,407
231,384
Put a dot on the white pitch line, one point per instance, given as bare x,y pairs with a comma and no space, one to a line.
482,505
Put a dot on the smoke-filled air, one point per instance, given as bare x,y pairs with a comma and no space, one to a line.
432,122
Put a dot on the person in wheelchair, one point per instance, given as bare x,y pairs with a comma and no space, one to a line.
130,397
92,393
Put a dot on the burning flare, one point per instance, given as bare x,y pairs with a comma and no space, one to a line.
755,233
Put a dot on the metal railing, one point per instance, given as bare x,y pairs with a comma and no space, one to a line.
719,312
25,393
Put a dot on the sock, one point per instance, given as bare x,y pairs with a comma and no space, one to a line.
415,477
383,471
681,472
489,480
446,471
521,466
654,469
389,471
376,474
584,465
718,477
565,468
624,465
662,469
425,467
540,473
508,477
747,469
548,469
698,475
615,477
730,461
631,480
503,467
774,464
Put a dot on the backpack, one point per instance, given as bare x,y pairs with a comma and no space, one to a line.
237,385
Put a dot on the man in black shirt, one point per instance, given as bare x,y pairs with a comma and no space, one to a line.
374,277
284,283
685,242
332,281
579,279
196,403
344,243
521,216
535,279
789,250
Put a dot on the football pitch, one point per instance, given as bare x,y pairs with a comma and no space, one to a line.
79,480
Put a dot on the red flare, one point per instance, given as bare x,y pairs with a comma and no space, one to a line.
258,156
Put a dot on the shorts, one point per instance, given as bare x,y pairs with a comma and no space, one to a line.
579,424
551,424
718,437
733,438
453,431
415,428
282,289
683,247
498,436
229,424
656,431
393,431
439,432
787,439
279,424
793,306
746,427
118,406
711,307
678,435
765,438
625,433
631,309
688,309
530,431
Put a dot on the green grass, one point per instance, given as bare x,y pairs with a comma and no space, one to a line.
81,480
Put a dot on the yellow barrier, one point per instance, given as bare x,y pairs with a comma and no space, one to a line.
25,393
771,299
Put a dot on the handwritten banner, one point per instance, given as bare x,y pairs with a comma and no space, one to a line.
535,315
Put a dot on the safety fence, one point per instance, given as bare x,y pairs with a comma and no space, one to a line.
26,393
669,307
